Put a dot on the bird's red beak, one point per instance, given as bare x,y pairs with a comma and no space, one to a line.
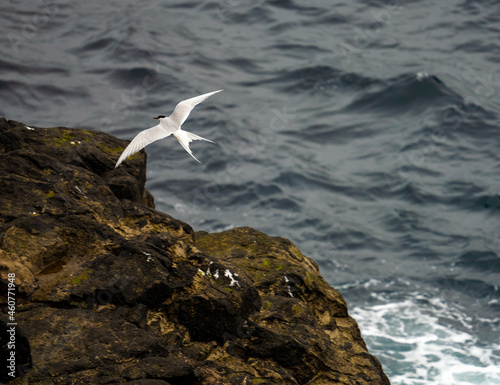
155,118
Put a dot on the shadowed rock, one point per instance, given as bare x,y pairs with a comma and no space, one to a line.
111,291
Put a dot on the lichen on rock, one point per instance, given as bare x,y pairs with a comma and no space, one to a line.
111,291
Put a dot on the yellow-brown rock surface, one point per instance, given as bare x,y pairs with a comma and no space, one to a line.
111,291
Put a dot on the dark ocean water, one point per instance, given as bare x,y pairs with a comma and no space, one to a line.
365,131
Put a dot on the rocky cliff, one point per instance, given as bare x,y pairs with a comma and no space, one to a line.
110,291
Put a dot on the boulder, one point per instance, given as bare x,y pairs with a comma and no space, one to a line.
111,291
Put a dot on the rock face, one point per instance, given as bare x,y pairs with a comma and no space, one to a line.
111,291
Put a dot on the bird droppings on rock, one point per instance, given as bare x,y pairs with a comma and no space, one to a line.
289,289
230,275
111,291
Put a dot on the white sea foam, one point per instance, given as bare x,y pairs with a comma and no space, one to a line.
422,343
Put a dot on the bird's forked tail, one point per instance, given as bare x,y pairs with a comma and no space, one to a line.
186,137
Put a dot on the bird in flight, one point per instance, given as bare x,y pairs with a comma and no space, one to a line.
168,126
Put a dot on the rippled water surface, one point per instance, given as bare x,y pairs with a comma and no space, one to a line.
366,131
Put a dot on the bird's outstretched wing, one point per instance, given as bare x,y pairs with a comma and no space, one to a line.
142,139
182,110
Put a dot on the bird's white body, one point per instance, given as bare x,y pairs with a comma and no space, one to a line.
168,126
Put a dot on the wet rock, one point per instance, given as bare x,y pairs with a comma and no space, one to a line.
111,291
